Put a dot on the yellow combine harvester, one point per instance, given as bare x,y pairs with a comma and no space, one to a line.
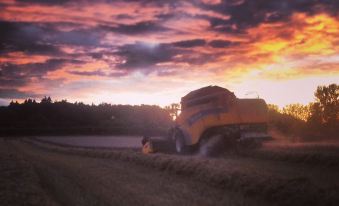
214,118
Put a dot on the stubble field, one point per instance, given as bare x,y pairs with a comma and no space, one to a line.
280,173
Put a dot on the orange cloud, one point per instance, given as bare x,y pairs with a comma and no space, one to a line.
164,49
22,58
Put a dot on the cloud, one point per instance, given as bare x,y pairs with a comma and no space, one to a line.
96,55
25,37
190,43
100,73
20,75
15,94
222,43
137,28
78,37
13,82
145,55
246,14
4,102
124,16
46,2
34,69
46,44
38,38
89,73
149,56
159,3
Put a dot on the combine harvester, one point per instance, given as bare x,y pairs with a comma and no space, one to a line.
213,120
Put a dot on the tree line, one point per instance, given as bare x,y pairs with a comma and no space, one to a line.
318,119
49,117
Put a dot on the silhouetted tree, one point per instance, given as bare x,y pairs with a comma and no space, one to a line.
46,100
62,117
273,108
13,104
173,110
29,101
327,99
298,111
315,118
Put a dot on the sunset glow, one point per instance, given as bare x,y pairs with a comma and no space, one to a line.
154,52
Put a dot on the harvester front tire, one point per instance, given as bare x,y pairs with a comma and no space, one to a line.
180,146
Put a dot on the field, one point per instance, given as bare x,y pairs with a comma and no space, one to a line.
95,141
35,172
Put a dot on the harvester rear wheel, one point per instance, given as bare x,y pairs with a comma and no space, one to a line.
217,141
249,145
211,146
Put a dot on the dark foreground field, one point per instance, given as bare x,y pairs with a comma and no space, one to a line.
37,173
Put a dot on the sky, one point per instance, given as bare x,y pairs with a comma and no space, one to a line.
156,51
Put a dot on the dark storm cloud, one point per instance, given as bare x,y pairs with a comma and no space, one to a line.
19,75
124,16
33,69
137,28
160,3
39,38
25,37
246,14
15,94
13,81
222,43
96,55
144,56
2,5
190,43
147,56
47,2
79,37
88,73
166,16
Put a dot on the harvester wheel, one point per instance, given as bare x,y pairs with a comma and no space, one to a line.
180,146
249,145
211,146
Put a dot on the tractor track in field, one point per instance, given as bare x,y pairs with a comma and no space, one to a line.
126,177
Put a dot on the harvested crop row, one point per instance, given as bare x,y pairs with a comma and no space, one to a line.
283,191
19,182
314,155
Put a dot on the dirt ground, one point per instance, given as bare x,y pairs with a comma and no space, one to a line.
37,173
